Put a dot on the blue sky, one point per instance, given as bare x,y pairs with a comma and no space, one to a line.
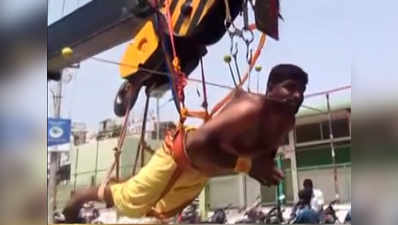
315,35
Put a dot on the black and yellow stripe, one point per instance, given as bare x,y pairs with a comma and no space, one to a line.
185,24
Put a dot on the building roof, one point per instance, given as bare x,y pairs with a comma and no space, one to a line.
338,101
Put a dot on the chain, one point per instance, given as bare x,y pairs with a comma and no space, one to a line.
245,33
228,18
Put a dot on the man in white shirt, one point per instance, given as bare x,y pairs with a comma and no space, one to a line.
317,199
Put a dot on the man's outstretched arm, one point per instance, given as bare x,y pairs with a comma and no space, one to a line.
265,171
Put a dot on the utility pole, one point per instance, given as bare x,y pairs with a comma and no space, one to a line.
157,119
54,157
293,165
332,148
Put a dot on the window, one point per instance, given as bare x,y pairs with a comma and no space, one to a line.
340,128
308,132
320,131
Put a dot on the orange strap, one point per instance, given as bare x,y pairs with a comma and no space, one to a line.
199,114
176,145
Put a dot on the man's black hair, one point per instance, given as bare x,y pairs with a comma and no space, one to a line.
308,183
284,72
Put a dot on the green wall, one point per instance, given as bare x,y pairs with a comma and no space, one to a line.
322,156
307,158
91,161
94,159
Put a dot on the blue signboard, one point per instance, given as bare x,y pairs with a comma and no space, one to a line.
58,131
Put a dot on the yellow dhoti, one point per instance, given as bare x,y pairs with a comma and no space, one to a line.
144,194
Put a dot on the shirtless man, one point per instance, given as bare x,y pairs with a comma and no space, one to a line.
243,137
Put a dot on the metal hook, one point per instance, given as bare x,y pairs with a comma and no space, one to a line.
234,56
234,53
250,39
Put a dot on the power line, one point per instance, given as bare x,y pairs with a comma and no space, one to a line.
159,72
328,91
211,83
207,82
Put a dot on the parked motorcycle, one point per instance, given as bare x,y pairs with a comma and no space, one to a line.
189,215
219,216
58,217
347,219
253,214
274,216
328,216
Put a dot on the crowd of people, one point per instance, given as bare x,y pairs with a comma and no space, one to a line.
310,209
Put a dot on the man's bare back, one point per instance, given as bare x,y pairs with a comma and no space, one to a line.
250,125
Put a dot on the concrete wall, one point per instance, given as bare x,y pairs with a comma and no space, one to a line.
323,179
230,190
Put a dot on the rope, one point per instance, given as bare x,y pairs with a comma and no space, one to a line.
232,75
141,144
160,72
212,83
257,53
205,103
169,67
170,27
228,17
249,82
180,76
119,145
234,56
328,91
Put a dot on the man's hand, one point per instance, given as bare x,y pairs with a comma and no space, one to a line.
265,171
72,209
